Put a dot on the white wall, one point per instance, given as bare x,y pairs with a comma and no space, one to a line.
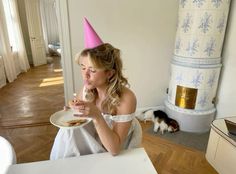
226,105
145,33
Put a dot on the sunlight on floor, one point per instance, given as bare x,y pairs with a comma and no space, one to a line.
25,116
51,81
57,70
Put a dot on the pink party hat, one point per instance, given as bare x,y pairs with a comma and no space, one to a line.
91,38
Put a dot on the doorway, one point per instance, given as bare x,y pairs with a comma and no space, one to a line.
35,95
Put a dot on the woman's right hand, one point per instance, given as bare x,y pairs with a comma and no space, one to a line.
85,109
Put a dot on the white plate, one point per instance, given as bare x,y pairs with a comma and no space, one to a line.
60,118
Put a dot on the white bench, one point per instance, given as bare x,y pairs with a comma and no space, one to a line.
221,149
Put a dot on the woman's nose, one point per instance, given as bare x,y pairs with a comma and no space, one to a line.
87,73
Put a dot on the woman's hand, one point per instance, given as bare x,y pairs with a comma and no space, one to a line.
73,104
85,109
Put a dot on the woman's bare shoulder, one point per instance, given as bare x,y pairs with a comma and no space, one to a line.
128,94
127,103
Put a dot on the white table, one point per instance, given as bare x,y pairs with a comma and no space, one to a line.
127,162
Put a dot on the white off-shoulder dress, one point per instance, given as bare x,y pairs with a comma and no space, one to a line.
85,140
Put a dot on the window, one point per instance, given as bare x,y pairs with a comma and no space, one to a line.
10,24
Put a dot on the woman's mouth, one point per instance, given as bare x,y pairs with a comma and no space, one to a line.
86,82
88,85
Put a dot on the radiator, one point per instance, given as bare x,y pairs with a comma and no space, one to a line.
16,62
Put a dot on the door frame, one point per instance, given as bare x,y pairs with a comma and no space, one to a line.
66,53
36,38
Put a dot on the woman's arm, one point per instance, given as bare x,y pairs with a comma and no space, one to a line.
113,139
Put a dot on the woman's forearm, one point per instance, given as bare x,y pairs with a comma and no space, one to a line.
109,138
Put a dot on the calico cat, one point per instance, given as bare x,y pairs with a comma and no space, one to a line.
164,123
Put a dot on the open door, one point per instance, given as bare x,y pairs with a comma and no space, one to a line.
35,32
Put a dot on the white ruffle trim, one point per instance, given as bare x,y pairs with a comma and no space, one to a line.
120,118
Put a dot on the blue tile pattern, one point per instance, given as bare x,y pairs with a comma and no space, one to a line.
198,3
210,47
205,23
186,23
197,79
216,3
192,47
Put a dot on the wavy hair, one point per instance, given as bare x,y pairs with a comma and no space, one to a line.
107,57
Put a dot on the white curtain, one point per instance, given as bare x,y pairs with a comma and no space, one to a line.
44,24
49,21
21,51
5,48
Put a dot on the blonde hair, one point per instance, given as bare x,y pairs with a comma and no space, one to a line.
107,57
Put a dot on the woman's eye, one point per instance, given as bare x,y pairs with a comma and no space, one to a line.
93,71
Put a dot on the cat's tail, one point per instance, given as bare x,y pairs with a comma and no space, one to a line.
144,115
149,115
143,112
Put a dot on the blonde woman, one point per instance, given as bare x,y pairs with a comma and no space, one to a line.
106,99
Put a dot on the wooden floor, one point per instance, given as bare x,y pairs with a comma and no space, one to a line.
25,108
169,158
32,97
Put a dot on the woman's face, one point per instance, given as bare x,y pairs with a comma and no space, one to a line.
92,76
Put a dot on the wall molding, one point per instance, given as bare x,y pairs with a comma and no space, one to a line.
66,55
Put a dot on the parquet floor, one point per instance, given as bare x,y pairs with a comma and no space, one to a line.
170,158
25,109
32,97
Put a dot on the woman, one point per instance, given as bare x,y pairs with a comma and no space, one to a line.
106,99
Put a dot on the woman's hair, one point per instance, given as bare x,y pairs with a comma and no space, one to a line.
107,57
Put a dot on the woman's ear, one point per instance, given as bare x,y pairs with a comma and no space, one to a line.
110,73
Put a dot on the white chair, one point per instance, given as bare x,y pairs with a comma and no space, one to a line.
7,155
135,138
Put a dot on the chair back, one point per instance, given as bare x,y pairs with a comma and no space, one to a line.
7,154
135,138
